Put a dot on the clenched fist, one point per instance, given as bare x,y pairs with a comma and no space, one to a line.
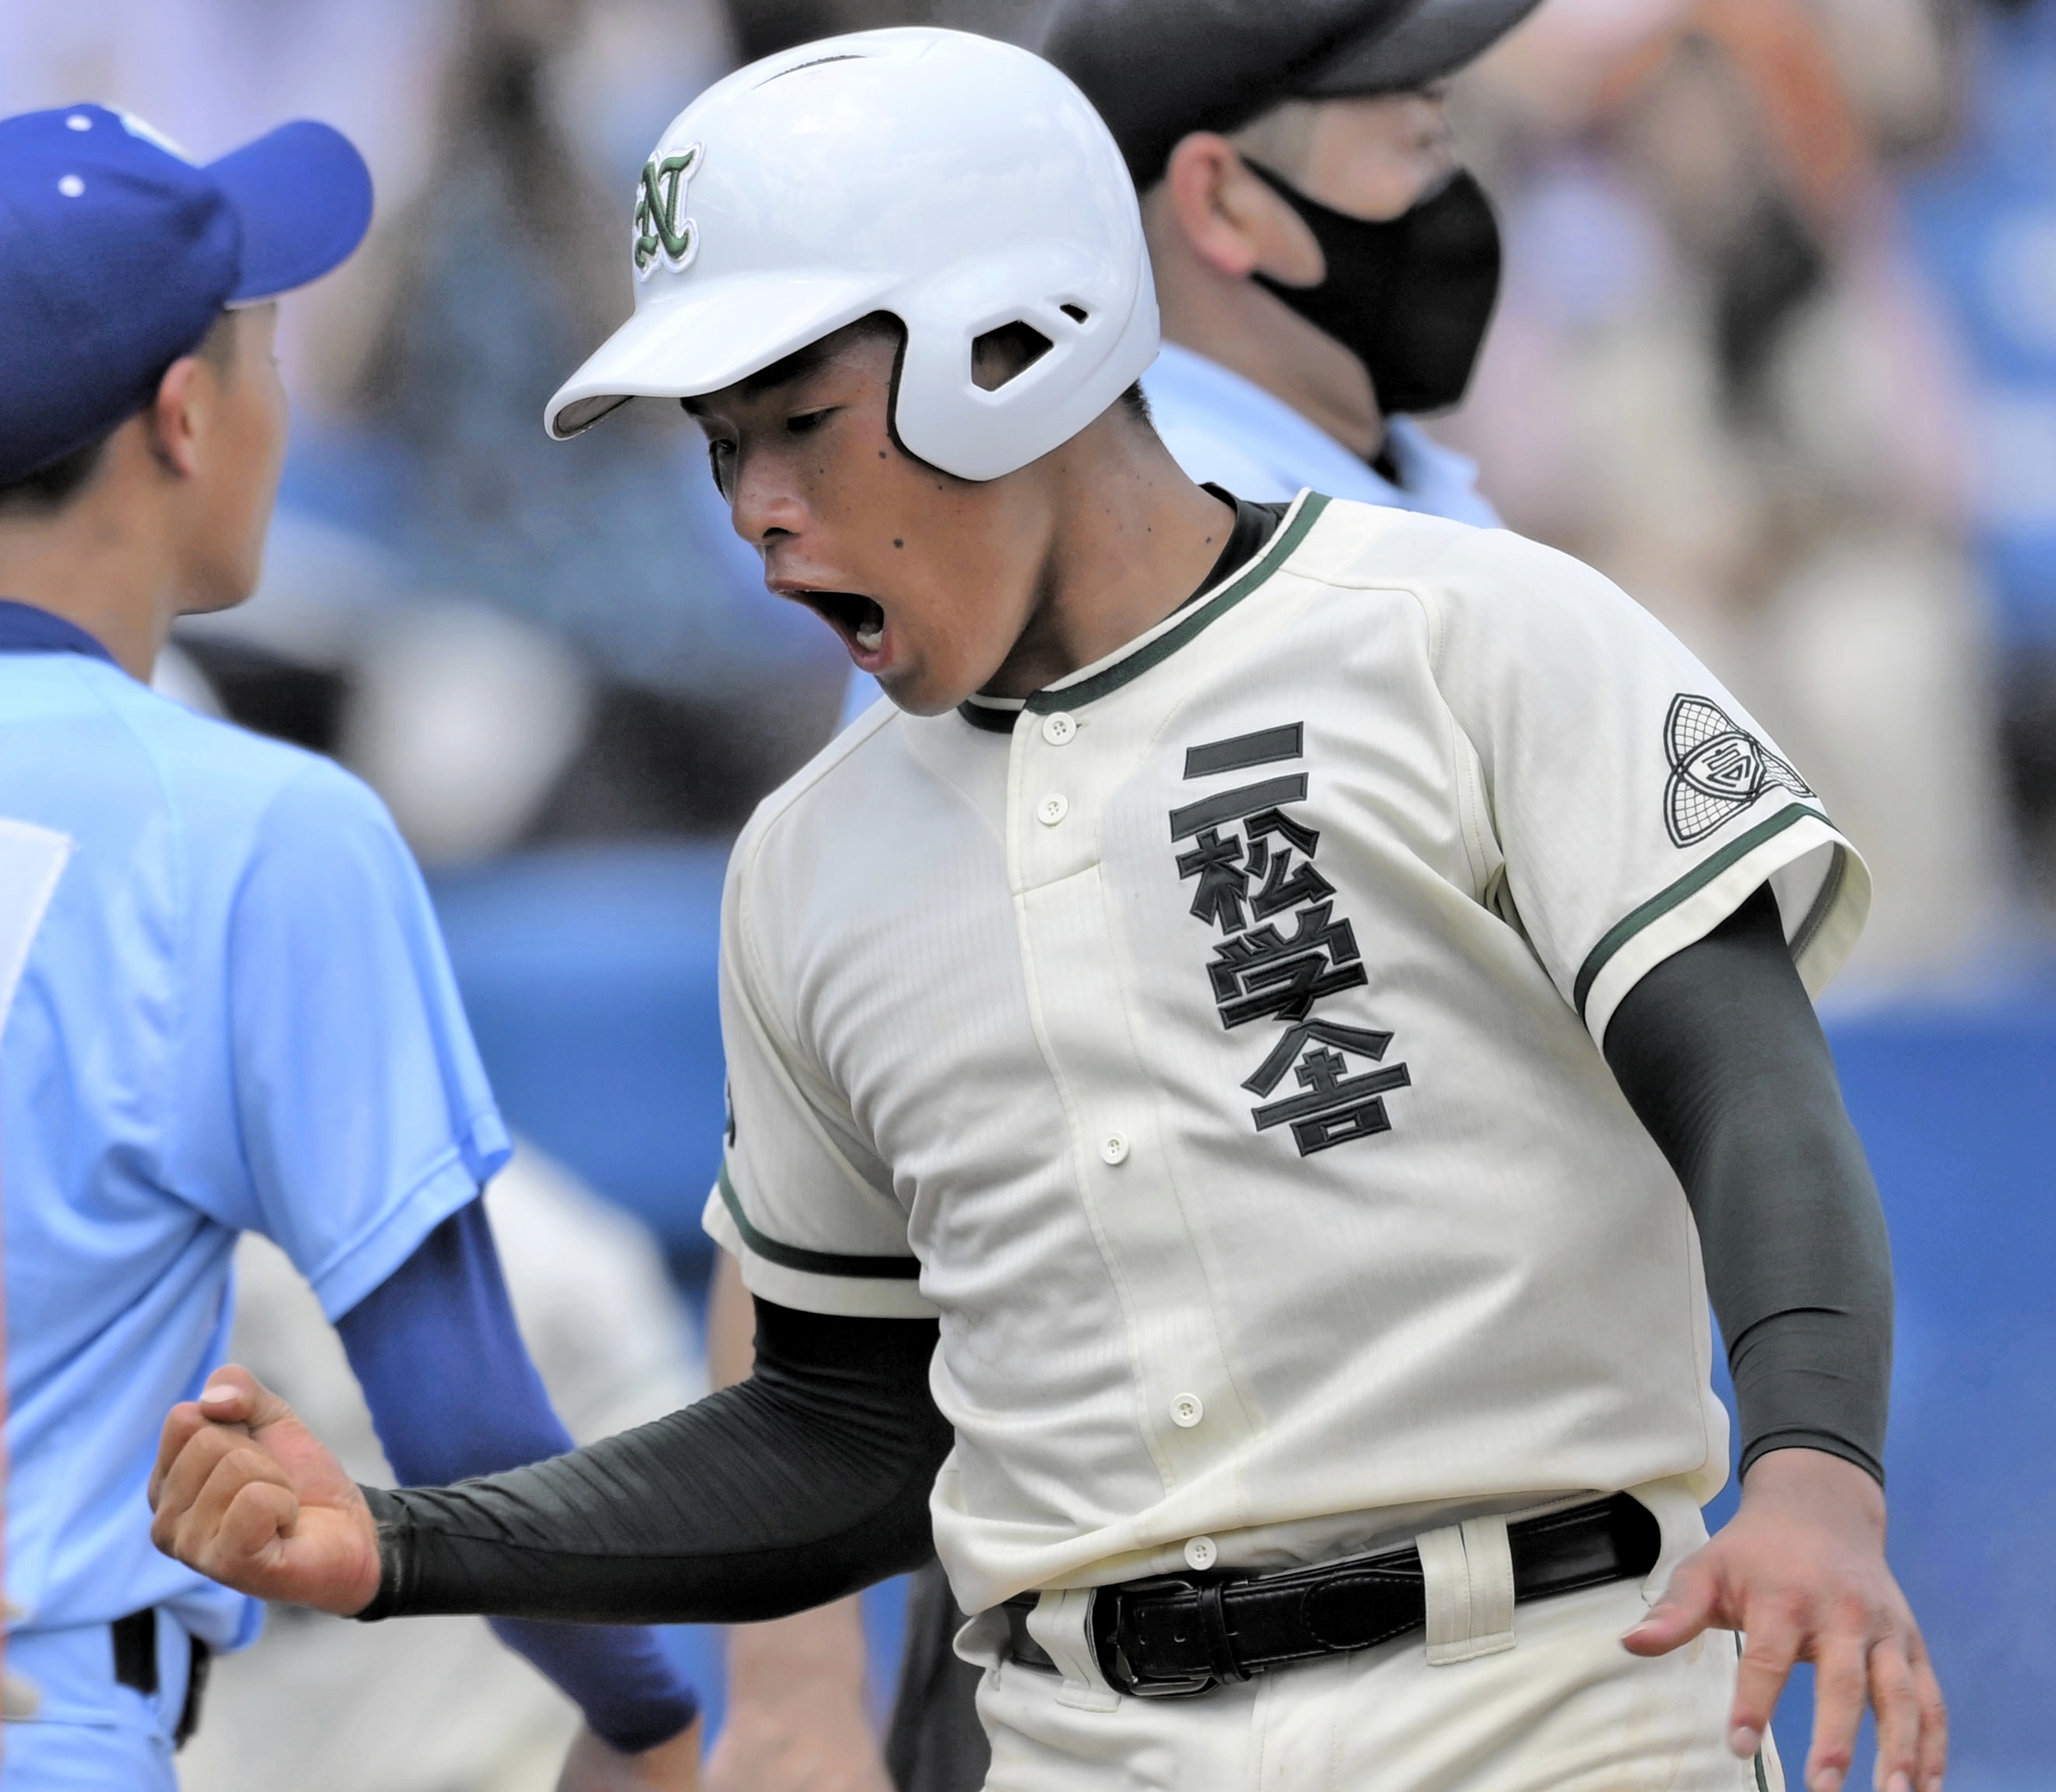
249,1496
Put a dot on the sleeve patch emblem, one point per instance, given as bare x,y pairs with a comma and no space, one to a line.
1716,770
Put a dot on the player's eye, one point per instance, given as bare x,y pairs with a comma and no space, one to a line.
721,456
806,422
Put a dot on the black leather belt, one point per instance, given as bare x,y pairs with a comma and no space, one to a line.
136,1667
1185,1634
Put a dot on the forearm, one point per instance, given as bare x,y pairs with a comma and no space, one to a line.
1720,1053
805,1483
482,1407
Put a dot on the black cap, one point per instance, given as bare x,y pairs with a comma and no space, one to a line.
1431,39
1158,70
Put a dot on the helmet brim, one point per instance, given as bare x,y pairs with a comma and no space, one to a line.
722,332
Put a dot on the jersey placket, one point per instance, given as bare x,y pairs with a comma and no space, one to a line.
1065,767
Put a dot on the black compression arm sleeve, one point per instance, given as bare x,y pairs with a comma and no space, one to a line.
804,1483
1719,1054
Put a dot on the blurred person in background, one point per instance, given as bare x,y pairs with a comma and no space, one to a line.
1720,378
236,1015
484,280
321,1707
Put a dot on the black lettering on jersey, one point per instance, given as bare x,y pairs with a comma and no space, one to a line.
1716,770
1261,972
1262,975
1285,885
1336,1107
1223,879
1232,806
1266,747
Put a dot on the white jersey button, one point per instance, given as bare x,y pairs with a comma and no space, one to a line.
1114,1147
1202,1552
1059,730
1187,1410
1052,809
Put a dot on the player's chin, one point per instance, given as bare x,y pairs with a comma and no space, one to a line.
914,687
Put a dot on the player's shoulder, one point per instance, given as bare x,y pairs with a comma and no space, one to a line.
233,793
227,773
1352,544
1455,571
838,787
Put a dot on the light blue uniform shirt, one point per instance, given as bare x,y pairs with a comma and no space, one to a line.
1227,430
236,1015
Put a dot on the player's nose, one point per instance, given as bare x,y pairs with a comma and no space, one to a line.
765,508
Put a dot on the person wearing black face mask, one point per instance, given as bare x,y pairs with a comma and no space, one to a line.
1326,266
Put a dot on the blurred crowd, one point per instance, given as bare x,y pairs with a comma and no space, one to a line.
1725,372
1777,350
1774,351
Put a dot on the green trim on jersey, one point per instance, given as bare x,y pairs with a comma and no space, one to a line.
1276,552
791,1256
985,716
1690,884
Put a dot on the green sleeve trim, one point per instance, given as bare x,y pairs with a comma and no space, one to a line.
1276,551
1691,884
791,1256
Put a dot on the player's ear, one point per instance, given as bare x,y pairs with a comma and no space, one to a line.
174,423
1201,182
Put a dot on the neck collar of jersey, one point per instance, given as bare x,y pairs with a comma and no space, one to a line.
997,715
25,629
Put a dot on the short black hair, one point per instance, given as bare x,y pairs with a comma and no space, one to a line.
51,486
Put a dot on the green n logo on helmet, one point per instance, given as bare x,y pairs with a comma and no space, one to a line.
659,229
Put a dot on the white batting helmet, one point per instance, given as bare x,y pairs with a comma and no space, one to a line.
961,184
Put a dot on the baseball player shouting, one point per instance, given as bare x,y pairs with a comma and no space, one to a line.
234,1013
1316,247
1243,1080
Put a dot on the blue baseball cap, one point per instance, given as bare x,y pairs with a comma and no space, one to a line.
117,254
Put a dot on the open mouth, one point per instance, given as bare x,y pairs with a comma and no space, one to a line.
857,619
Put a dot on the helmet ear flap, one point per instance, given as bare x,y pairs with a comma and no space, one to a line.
1009,355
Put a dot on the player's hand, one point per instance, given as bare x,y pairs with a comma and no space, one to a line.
796,1720
1800,1571
592,1766
249,1496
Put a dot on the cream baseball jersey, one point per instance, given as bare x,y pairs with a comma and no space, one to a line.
1212,1042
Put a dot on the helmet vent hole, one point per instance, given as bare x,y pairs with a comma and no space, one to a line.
1004,354
1077,313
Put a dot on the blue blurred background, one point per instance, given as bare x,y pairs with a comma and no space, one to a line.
1777,350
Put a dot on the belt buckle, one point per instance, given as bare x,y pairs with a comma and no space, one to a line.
1103,1633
